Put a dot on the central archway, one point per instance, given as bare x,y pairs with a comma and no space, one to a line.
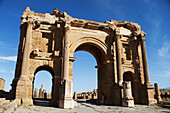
85,72
99,52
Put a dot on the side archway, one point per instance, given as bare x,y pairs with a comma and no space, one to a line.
51,72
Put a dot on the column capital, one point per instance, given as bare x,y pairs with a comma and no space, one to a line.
67,28
142,36
117,32
112,25
136,33
30,18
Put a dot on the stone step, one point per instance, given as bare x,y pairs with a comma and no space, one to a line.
6,105
1,110
3,102
11,109
2,99
165,103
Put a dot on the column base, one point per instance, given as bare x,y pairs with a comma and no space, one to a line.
152,101
149,85
128,102
24,102
67,104
150,94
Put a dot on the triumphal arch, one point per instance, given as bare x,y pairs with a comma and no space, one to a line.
48,42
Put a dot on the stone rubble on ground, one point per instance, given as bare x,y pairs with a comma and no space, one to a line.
89,108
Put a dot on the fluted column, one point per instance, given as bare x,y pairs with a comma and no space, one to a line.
26,52
24,84
66,100
118,57
66,54
144,57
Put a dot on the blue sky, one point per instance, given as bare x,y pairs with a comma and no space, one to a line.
152,15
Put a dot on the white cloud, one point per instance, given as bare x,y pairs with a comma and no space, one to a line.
9,58
1,43
162,74
164,51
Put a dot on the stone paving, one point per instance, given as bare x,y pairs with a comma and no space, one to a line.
89,108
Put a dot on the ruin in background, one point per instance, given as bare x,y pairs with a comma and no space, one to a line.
48,42
2,84
41,94
84,96
165,94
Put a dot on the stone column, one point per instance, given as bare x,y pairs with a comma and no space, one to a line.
66,54
157,93
149,87
24,85
144,57
118,57
66,100
127,100
26,52
75,96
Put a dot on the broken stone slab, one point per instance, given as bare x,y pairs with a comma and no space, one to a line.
11,109
2,99
3,102
7,105
1,110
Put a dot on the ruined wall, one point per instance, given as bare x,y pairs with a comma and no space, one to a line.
165,94
2,84
86,95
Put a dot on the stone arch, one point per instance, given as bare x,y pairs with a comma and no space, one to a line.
91,41
45,68
99,50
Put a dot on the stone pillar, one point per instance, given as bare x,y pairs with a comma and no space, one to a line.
66,100
118,57
157,93
2,84
66,54
127,100
75,96
26,53
24,85
41,92
149,87
35,93
84,96
144,57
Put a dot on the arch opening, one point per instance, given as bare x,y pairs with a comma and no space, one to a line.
97,57
85,74
42,86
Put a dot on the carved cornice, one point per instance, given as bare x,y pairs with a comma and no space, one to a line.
59,17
